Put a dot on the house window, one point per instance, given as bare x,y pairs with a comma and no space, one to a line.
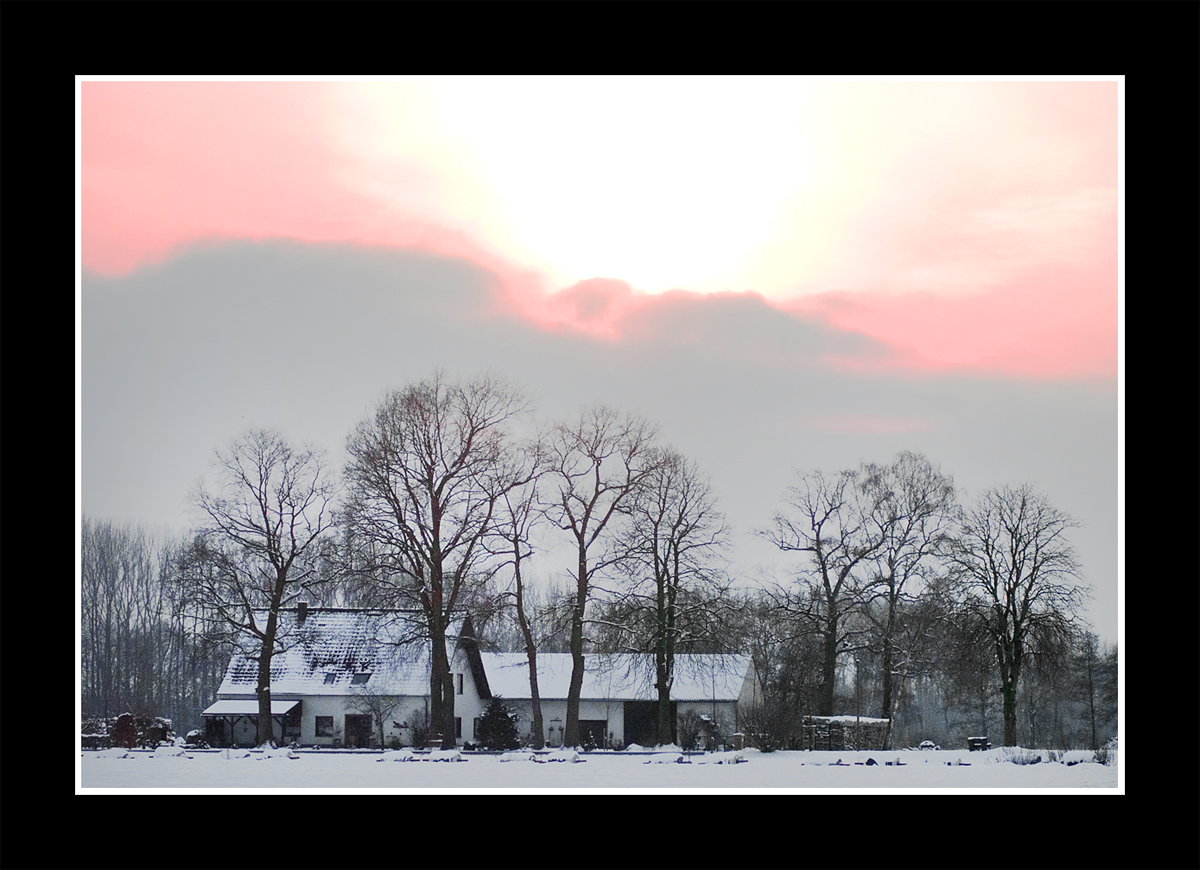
324,726
330,678
361,679
460,685
458,727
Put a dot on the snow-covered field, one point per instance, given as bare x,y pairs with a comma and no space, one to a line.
220,769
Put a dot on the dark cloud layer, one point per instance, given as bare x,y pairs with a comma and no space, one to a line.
178,358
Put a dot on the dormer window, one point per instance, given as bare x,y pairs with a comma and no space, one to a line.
330,678
361,679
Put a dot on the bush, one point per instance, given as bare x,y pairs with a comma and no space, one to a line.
770,726
698,731
498,727
127,730
421,728
688,730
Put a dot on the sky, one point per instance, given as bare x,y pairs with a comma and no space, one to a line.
785,274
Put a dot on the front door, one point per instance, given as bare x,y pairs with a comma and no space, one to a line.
358,731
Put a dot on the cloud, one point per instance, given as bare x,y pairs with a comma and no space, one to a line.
179,357
1047,323
933,267
594,306
168,164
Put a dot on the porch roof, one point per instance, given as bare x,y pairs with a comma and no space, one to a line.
248,707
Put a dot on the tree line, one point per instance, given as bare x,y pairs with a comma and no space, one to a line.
142,647
451,489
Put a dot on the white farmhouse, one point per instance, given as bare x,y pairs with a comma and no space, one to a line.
328,681
345,676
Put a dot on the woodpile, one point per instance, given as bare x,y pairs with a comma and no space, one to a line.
844,733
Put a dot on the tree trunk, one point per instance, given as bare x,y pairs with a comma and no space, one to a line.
449,735
571,737
539,729
539,733
1009,652
664,701
828,669
441,685
665,655
438,670
885,707
891,714
1009,691
266,729
1090,664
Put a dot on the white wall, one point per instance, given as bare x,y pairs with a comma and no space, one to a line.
467,705
338,706
725,713
611,712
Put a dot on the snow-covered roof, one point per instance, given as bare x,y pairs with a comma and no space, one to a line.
617,677
862,720
338,651
247,708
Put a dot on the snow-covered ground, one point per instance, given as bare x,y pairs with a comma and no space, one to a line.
281,769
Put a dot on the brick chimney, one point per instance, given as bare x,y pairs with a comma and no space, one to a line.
301,612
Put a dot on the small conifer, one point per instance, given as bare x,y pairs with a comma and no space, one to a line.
498,727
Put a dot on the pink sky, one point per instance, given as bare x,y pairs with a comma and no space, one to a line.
970,226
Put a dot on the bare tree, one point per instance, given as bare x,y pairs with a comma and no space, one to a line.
380,706
829,522
427,470
786,658
1020,580
517,517
120,608
258,545
1093,687
139,650
676,592
911,511
1087,669
593,465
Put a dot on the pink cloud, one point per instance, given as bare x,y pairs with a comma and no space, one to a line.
1051,322
166,164
990,244
987,246
596,306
